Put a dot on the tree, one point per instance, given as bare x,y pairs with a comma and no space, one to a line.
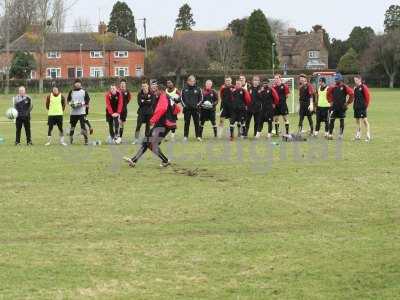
176,56
337,49
58,22
385,51
238,26
122,21
257,42
225,52
155,41
392,18
360,38
349,63
22,65
185,19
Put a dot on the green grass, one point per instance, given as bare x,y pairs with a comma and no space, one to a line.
77,224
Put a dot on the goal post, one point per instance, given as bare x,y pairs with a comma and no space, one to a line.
291,101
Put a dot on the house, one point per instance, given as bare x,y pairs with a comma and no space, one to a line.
302,51
80,55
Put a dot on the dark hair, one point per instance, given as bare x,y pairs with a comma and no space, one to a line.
358,76
322,79
122,80
303,76
78,80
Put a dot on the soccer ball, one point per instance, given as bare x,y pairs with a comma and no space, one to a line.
207,105
12,113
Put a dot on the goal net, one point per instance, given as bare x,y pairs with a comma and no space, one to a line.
291,100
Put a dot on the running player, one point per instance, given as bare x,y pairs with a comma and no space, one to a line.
340,96
207,107
282,109
323,107
55,105
362,99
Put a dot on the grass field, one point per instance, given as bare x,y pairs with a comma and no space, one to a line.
75,223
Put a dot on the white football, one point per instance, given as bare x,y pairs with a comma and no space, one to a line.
207,104
11,113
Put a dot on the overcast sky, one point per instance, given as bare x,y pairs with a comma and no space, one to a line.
338,18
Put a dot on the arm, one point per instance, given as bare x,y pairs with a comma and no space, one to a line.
311,93
247,97
129,97
48,102
183,99
275,96
216,98
139,99
69,99
350,93
160,110
63,103
120,103
329,94
367,96
87,98
30,104
200,97
108,104
287,91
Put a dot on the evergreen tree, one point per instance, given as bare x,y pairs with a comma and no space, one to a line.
258,43
392,18
22,65
360,38
122,21
185,19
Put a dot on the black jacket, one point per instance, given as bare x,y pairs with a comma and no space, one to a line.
192,96
23,105
146,103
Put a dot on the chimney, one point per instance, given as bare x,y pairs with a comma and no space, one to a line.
102,28
291,31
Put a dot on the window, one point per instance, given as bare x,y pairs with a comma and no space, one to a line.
79,72
33,74
96,72
122,71
313,54
53,73
53,54
139,71
121,54
96,54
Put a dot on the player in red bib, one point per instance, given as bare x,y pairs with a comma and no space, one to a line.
362,100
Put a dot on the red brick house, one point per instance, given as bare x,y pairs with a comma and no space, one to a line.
81,55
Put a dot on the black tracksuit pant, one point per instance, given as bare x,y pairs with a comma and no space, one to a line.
256,115
26,123
191,113
153,142
143,119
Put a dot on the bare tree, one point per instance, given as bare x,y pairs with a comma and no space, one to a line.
384,52
58,13
225,51
82,24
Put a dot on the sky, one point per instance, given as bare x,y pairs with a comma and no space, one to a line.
338,18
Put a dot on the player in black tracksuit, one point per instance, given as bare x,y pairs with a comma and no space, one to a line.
270,100
192,96
306,100
146,104
207,112
23,105
255,109
126,95
240,101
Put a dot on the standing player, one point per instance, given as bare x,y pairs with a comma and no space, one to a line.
225,94
126,96
245,84
241,99
174,95
306,103
207,108
145,100
191,99
255,109
78,99
282,109
114,106
340,96
55,105
362,99
270,100
323,107
160,129
23,104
